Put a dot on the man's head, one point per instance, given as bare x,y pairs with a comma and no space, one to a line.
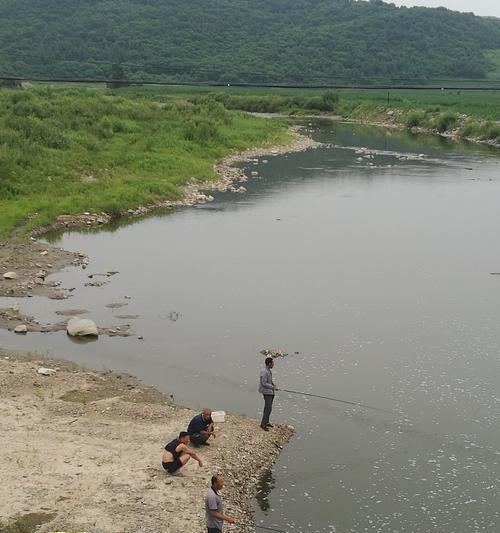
207,413
269,362
217,481
184,437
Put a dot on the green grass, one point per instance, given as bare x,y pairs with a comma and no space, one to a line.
136,150
139,144
25,523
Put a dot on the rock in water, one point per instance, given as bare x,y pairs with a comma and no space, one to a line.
273,352
22,328
10,275
81,327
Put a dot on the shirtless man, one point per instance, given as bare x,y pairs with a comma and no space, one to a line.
177,454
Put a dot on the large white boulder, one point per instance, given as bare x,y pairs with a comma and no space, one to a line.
81,327
10,275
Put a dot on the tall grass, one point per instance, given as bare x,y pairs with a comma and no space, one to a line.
74,150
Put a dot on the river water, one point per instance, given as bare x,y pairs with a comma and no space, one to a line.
374,270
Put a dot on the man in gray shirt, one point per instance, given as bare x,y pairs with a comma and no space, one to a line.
267,388
214,509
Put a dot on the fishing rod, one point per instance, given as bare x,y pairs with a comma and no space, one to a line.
338,400
266,528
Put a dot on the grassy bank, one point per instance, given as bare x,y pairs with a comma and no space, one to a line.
472,114
75,150
71,150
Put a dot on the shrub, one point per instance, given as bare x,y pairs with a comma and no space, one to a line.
201,131
471,129
330,100
414,119
445,122
491,131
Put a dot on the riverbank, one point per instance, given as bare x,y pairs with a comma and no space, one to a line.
460,129
87,446
31,261
456,114
92,154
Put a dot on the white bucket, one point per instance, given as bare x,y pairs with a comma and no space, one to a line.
218,416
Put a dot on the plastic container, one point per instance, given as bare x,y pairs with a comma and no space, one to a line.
218,416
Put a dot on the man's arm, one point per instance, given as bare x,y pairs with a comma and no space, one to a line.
184,449
209,431
220,516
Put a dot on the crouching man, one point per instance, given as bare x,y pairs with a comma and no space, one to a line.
177,454
201,428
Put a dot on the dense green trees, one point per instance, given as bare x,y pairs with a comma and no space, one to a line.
296,41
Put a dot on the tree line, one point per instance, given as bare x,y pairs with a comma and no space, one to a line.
251,41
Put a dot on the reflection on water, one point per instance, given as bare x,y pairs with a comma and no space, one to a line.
264,487
367,260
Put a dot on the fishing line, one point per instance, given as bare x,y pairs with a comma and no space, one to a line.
338,400
266,528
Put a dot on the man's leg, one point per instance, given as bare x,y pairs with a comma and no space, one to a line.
198,438
268,407
213,530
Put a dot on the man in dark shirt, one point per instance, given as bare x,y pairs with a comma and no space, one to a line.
201,428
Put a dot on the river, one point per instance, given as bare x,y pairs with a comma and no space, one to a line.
371,261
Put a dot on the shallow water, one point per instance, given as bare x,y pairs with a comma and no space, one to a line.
377,272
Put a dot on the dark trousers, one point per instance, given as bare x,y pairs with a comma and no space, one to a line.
198,438
213,530
268,407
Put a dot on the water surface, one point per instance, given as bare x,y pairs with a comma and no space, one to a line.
372,268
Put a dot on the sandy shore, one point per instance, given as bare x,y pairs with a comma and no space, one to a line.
82,449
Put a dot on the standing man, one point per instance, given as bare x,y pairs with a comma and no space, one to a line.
214,509
201,428
267,388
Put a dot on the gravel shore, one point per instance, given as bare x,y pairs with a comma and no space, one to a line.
83,449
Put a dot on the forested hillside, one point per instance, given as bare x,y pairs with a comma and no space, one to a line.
277,41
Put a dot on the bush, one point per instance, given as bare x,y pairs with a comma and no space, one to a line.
414,119
201,131
445,122
491,131
330,100
471,129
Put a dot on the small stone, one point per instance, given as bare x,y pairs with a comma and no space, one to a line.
22,328
10,275
45,252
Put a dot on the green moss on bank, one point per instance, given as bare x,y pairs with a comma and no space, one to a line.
75,150
25,523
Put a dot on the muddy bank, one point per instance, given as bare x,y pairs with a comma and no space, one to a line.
29,263
83,449
11,318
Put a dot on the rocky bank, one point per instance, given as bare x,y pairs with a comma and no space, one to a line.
82,450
